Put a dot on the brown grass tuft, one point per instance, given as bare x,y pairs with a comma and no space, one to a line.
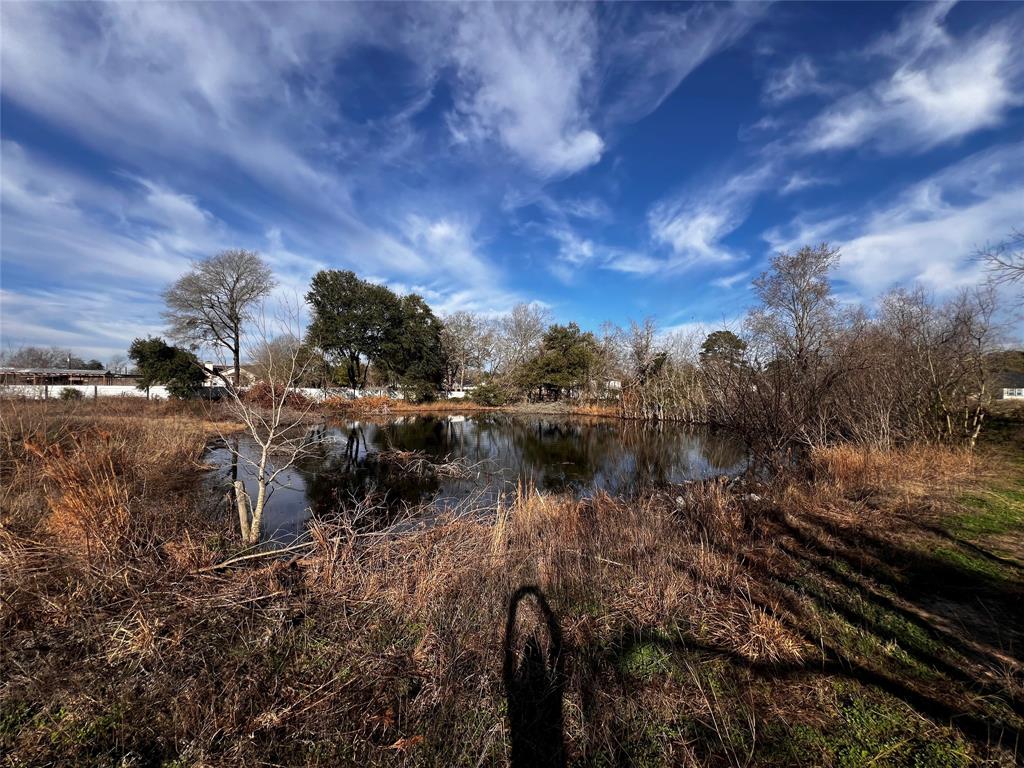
705,624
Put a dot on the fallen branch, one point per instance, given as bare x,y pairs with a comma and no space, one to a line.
243,558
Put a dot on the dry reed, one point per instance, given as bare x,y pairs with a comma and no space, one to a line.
382,646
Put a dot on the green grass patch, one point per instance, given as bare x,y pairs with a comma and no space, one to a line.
646,660
971,563
870,728
990,513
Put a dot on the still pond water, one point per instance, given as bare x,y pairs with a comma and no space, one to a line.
496,451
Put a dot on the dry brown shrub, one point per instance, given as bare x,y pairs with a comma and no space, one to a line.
267,395
712,512
94,477
359,405
595,409
914,471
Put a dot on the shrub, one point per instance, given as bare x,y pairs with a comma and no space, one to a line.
266,395
71,394
490,394
419,392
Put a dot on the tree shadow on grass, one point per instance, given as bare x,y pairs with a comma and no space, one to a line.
936,657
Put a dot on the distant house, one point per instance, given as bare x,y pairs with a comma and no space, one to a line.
67,376
1011,385
217,374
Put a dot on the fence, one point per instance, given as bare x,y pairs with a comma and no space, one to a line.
53,392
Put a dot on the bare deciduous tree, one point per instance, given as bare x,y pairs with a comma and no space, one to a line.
1005,260
467,340
275,419
211,303
521,333
796,316
118,364
662,379
40,357
311,364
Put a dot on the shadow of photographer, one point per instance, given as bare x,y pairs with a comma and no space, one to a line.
534,682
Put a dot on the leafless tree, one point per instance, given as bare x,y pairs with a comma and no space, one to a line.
662,381
118,364
467,340
1004,261
608,365
521,333
211,303
310,363
780,396
38,357
276,420
935,357
797,312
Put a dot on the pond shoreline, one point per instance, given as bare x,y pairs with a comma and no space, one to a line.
868,611
471,458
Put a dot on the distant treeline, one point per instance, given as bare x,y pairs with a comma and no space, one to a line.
800,370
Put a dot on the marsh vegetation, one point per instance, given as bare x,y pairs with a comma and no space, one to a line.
866,610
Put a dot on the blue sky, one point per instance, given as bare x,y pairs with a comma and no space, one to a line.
610,161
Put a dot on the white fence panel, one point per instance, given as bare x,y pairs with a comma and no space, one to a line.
53,391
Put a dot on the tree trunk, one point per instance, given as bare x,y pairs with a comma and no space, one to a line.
261,498
237,361
257,515
243,511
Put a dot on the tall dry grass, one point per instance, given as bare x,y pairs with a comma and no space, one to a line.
380,646
914,471
96,480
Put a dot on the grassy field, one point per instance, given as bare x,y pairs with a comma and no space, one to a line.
865,613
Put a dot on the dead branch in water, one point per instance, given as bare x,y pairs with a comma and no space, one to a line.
420,463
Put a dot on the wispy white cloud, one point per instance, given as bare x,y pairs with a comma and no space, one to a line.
573,249
632,262
549,82
448,248
728,281
694,222
799,181
146,233
941,90
137,79
799,78
928,233
93,323
651,54
522,71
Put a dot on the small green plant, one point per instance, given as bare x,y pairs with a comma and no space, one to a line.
419,391
70,395
490,394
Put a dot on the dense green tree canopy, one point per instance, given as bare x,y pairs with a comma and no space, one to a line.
564,362
356,323
724,346
159,363
351,320
412,353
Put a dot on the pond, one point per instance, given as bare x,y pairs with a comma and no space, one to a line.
488,455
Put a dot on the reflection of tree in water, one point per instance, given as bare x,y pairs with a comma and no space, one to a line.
427,434
556,454
336,479
663,453
560,455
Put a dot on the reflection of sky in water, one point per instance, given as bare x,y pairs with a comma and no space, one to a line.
556,454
